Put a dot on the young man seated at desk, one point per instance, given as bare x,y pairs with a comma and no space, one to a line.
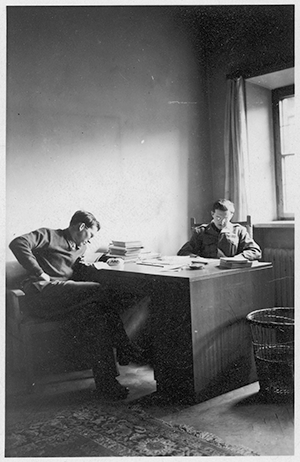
220,237
60,287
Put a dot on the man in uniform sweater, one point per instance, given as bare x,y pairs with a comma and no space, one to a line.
58,288
220,237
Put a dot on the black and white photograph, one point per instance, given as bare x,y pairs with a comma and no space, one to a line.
149,176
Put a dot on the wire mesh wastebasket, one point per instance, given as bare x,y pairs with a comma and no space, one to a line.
272,331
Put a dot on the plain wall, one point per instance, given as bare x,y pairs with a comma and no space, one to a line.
106,111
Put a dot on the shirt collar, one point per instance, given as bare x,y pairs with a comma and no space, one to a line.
228,228
213,226
71,243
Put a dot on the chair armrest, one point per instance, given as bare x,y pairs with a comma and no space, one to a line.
14,308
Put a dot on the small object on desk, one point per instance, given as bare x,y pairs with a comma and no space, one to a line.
203,261
116,263
196,266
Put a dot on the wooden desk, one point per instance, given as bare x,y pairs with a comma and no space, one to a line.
201,343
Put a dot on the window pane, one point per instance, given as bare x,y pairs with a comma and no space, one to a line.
289,183
287,125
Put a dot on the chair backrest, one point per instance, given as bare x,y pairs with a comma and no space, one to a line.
247,224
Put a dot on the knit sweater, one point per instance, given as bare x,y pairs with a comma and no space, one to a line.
49,251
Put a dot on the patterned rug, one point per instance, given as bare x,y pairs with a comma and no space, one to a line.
97,429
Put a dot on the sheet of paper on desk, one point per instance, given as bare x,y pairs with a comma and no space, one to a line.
168,263
101,265
165,260
174,260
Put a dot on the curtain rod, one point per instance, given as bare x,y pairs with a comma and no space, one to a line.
247,73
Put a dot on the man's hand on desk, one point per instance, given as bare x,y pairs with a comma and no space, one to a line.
240,256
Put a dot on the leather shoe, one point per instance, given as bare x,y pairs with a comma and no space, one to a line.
131,353
112,389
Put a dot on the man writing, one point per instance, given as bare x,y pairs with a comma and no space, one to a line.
57,288
221,238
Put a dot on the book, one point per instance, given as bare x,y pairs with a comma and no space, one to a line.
124,253
127,250
123,250
231,262
127,244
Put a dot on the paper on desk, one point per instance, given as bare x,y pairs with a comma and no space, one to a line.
101,265
171,262
167,263
174,260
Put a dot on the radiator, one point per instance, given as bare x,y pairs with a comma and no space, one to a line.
283,264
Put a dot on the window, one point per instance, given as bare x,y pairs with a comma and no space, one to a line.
271,176
283,100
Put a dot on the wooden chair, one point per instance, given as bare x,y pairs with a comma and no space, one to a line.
37,348
247,224
34,346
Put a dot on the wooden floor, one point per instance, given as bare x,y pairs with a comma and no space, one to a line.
239,417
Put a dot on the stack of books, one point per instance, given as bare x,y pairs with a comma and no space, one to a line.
233,263
127,250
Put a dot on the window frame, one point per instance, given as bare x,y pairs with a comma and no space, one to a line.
277,95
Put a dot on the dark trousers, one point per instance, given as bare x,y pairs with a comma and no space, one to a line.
90,313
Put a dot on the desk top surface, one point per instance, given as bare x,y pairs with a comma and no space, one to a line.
210,270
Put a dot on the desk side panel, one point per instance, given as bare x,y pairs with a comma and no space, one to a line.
222,344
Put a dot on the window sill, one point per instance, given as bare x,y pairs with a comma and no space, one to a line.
276,224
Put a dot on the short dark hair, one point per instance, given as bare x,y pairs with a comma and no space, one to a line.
224,205
81,216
